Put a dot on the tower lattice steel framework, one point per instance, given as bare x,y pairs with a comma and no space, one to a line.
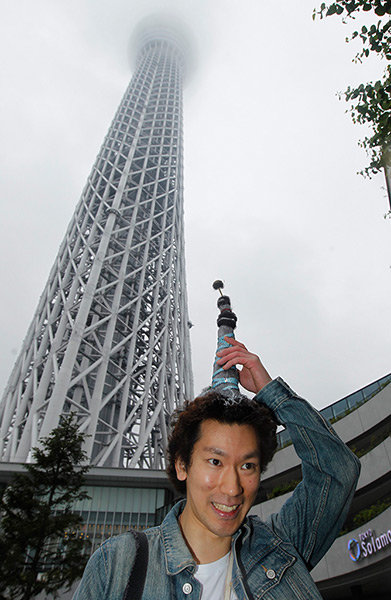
110,337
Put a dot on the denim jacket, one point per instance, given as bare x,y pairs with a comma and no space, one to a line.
272,559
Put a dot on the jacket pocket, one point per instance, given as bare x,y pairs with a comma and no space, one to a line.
279,575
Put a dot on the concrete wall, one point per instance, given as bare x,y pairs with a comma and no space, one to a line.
374,465
348,428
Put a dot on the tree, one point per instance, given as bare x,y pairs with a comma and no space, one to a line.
39,548
370,102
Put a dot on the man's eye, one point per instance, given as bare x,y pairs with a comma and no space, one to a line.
215,462
248,466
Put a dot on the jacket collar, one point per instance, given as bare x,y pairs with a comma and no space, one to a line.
178,555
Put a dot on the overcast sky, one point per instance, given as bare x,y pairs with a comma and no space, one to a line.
273,205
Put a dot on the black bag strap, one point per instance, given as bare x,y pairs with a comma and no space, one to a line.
135,586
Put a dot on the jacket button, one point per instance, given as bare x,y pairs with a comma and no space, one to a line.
187,588
270,574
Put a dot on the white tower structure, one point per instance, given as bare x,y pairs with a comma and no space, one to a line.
110,337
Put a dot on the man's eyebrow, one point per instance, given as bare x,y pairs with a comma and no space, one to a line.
213,450
220,452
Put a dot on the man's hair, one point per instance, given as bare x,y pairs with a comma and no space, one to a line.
186,428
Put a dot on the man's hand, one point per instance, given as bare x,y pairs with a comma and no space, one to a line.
253,375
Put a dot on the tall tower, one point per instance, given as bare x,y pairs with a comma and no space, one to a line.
110,337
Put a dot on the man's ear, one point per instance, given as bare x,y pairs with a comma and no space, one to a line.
180,470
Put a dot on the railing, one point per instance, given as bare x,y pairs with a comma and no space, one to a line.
342,407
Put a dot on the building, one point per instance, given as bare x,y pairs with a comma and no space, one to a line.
358,564
110,337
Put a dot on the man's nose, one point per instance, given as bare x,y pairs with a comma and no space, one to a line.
230,482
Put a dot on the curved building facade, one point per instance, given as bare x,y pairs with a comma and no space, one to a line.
358,564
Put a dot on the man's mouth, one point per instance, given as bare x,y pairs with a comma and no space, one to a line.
225,508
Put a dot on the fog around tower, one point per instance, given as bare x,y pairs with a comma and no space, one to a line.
273,205
168,25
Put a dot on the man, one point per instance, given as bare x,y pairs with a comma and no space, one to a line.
207,547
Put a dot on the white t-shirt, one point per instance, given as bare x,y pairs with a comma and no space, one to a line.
212,576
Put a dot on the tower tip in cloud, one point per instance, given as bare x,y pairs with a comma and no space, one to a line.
165,26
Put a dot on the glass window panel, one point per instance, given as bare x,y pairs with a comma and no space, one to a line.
143,519
136,497
284,437
105,497
151,501
134,520
370,389
118,518
82,504
327,413
129,500
340,407
385,379
355,399
113,498
101,517
144,500
160,500
95,493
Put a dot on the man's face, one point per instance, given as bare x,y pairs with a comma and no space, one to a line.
222,480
